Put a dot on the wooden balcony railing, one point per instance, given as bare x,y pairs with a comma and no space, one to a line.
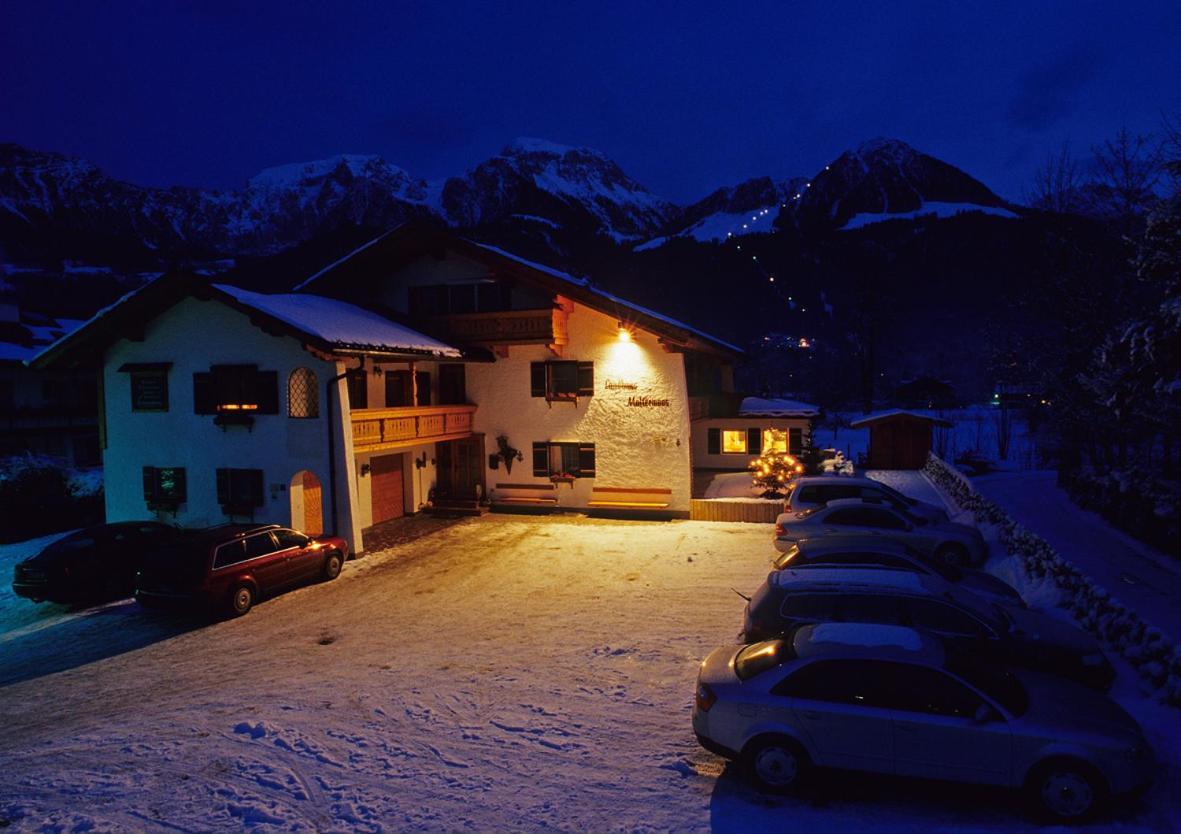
523,327
376,429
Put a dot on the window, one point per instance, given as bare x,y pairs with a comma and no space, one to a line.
399,392
944,619
452,390
929,691
846,518
149,385
303,397
357,383
290,538
795,441
734,441
883,519
562,380
164,487
251,547
227,389
239,491
455,299
859,682
807,607
575,460
775,440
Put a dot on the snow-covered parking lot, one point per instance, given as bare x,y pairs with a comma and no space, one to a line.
503,673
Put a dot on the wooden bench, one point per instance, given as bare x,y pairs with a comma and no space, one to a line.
630,498
536,497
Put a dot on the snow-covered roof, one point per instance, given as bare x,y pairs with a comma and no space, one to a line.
775,407
339,261
897,412
339,323
897,580
868,635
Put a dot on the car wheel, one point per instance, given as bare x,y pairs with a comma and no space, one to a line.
1065,791
953,554
241,600
332,565
775,764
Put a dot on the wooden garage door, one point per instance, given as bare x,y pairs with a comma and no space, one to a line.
386,481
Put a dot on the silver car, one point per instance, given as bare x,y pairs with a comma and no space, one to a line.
886,699
956,544
818,490
854,551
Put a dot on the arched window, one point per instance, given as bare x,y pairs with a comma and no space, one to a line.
303,399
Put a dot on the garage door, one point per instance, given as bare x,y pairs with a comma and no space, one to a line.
385,474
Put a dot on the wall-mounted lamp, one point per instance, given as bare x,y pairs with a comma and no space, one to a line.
365,469
625,333
420,462
377,371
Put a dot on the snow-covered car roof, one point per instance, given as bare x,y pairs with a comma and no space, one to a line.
847,578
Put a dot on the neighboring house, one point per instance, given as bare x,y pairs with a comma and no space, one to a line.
898,439
331,406
49,412
728,438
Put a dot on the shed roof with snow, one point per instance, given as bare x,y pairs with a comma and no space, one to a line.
879,416
760,407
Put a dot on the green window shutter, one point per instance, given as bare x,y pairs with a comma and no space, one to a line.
203,394
754,441
586,379
713,442
149,484
540,460
537,379
586,460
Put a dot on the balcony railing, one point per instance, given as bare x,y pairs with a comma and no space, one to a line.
543,327
390,428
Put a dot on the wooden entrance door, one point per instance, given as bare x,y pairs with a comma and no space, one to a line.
461,467
313,517
385,475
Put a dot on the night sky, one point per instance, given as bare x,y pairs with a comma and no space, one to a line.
685,96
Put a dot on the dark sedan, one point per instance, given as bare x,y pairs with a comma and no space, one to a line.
92,564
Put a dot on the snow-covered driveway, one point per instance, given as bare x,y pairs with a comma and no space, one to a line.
504,673
1132,571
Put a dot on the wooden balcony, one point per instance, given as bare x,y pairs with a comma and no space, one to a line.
377,429
515,327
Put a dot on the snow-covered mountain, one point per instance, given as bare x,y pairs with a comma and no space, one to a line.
732,211
885,179
533,180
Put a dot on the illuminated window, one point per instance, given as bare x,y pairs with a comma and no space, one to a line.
734,441
774,440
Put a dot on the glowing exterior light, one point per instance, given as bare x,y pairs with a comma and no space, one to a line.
625,335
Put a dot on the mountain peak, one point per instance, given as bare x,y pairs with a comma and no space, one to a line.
301,173
531,145
884,146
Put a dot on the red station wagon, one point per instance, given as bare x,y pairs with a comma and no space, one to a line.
234,565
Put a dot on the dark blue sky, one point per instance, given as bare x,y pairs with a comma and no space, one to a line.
686,96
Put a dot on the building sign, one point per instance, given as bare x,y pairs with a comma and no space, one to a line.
620,385
648,402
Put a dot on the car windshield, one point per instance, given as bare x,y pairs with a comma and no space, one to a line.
759,657
997,683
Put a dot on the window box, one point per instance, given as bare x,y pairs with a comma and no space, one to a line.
225,419
563,462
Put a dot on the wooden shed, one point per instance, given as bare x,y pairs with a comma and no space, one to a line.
898,439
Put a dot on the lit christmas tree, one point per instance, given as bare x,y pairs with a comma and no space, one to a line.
774,472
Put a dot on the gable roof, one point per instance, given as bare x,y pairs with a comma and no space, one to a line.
895,413
405,243
328,324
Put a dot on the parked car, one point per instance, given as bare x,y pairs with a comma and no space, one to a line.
956,544
1005,633
854,551
888,699
92,564
816,491
232,566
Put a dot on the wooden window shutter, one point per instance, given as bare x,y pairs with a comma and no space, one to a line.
540,459
181,487
203,394
795,441
255,486
754,441
713,442
223,486
149,484
537,379
586,379
586,460
267,383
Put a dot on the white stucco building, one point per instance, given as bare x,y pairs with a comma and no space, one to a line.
422,371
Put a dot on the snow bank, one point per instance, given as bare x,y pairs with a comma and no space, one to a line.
1156,657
